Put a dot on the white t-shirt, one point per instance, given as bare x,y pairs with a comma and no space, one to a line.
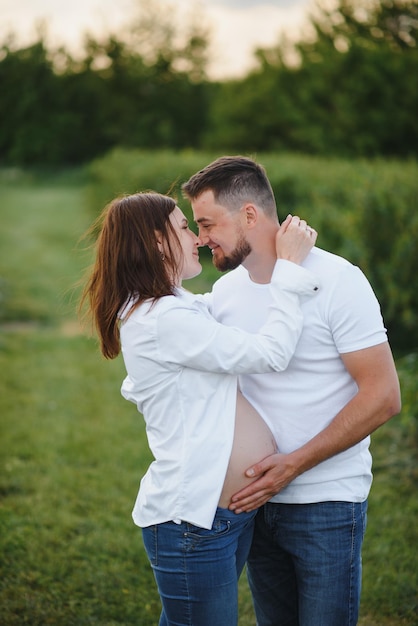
182,370
343,316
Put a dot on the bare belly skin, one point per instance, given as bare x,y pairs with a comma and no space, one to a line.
253,441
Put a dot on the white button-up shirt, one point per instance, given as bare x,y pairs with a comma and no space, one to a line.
182,369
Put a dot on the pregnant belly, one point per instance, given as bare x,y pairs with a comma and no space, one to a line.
253,441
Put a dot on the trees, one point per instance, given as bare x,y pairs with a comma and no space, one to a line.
124,91
29,91
351,92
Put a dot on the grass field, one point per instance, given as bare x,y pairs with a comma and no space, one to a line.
72,451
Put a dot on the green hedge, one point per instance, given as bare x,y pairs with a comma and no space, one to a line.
364,210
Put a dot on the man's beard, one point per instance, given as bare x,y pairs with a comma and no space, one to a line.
235,258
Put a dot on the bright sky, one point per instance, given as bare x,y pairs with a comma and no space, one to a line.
237,26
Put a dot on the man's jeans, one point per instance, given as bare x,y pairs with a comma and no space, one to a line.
304,567
197,570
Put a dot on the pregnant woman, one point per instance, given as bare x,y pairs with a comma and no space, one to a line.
182,370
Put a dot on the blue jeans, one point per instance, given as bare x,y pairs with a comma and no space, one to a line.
304,566
197,570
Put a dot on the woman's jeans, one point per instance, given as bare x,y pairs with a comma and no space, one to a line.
197,570
304,566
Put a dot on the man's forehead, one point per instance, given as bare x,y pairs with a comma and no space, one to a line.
204,215
205,209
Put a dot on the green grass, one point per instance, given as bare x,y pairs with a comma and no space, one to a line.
72,451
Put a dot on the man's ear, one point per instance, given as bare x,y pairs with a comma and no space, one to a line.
250,214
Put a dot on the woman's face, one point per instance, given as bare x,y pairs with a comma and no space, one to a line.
189,242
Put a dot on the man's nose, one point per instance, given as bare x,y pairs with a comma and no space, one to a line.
203,239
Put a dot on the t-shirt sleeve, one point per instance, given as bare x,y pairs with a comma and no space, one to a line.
354,312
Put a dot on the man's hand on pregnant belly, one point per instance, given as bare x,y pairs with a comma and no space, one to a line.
270,475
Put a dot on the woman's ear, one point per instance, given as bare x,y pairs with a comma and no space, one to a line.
159,240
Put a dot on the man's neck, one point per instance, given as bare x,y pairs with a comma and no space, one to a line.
260,267
262,258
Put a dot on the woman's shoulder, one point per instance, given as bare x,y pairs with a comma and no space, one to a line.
180,299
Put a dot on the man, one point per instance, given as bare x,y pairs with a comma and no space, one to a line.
304,567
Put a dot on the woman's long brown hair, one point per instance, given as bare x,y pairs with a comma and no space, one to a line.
128,264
